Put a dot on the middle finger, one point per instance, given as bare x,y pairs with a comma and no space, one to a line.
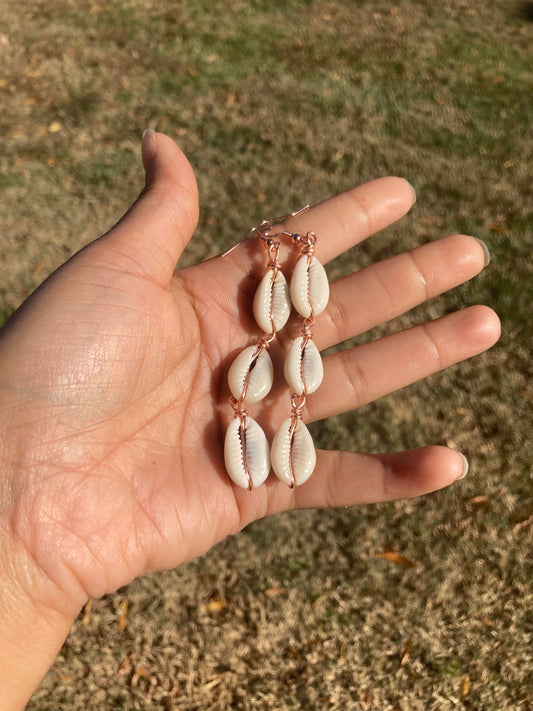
389,288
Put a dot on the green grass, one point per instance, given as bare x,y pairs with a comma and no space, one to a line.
279,104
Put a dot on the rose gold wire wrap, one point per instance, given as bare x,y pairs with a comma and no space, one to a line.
306,245
242,414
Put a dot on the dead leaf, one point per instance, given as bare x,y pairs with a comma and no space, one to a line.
87,612
478,501
342,652
142,673
174,691
465,686
522,524
215,604
397,559
275,591
487,622
126,666
55,126
495,227
365,701
465,523
122,615
150,681
406,653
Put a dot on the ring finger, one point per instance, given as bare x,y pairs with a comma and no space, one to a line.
365,373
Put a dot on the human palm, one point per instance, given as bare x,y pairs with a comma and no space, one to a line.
115,403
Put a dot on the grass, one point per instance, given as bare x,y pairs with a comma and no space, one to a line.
279,104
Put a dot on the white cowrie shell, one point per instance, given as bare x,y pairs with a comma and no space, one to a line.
309,287
272,304
297,453
246,449
254,364
303,366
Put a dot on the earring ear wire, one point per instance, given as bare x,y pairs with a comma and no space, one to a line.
264,229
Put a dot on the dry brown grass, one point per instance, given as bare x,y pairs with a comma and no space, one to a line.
279,104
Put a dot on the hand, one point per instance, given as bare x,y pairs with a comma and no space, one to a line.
113,395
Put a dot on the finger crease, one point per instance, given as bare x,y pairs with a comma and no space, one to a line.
435,349
419,275
335,317
355,377
363,209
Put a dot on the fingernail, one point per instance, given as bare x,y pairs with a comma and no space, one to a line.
465,466
148,145
413,191
485,249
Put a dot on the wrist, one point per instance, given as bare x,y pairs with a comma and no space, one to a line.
33,625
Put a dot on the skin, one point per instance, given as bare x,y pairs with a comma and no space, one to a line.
114,403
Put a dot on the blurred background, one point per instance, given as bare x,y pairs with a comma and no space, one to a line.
415,605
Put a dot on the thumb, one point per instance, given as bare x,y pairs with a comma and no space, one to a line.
153,233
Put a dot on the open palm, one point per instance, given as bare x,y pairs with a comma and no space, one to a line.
114,398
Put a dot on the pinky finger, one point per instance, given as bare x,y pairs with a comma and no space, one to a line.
346,479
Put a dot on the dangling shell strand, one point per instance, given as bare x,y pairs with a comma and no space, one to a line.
250,377
293,453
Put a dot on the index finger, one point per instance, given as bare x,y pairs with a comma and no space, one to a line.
347,219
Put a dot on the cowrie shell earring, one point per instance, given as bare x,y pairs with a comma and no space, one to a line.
250,377
293,453
246,452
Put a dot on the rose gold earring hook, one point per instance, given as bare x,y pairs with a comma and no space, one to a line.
264,229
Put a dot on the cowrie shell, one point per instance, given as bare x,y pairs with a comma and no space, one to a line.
309,287
253,368
272,304
296,453
246,450
303,368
